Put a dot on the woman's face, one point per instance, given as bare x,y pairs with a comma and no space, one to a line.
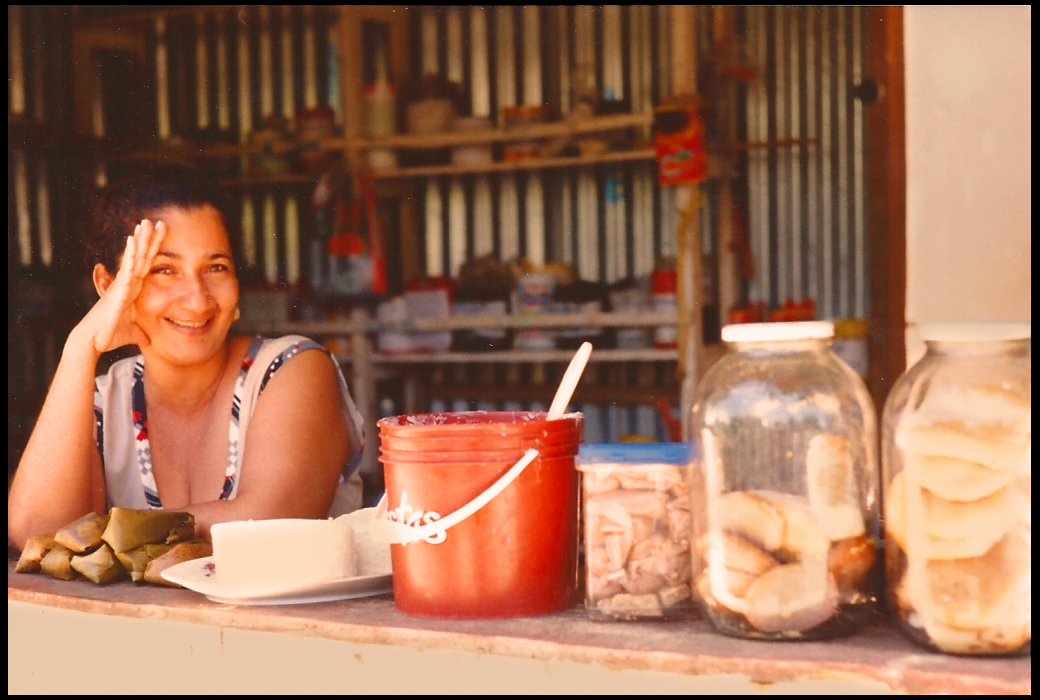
188,300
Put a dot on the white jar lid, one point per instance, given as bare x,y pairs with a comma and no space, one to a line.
782,330
975,332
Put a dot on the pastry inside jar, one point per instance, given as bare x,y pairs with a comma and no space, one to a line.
770,569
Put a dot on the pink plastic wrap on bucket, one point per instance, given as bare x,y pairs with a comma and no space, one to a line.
517,555
391,454
473,423
515,444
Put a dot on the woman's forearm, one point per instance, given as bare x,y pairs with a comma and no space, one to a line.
59,477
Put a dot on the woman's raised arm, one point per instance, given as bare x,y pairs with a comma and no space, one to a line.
60,476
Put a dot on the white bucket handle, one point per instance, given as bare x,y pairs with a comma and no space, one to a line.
434,531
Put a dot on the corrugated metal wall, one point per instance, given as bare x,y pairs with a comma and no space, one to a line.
610,221
806,202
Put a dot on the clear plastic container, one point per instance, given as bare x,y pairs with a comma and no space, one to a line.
956,452
636,502
785,487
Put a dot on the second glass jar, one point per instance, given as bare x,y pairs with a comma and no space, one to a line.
784,487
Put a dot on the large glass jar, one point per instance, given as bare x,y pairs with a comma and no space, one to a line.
784,487
956,443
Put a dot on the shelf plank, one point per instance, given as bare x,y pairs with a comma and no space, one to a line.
560,129
606,319
269,180
641,154
512,356
585,393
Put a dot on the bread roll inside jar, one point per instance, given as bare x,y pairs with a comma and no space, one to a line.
784,487
956,444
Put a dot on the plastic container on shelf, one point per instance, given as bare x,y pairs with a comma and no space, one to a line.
432,115
516,554
784,486
956,454
663,288
636,502
314,125
631,300
472,154
518,118
579,297
534,296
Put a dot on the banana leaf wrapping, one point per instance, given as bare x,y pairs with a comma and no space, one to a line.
100,566
182,533
129,529
182,552
136,560
84,534
36,548
58,563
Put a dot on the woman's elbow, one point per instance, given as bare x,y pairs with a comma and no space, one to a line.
19,527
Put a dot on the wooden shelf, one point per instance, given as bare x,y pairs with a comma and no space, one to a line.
564,129
179,148
585,393
607,319
462,357
561,129
269,180
514,165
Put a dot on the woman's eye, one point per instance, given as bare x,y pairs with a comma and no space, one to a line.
162,270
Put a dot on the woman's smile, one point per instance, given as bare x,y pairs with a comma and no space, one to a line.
189,326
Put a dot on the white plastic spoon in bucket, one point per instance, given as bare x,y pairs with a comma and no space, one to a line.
569,382
391,532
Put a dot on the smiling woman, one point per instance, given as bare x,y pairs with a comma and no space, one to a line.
226,427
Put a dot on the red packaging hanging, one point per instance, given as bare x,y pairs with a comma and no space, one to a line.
679,141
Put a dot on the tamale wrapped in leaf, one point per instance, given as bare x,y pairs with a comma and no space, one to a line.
100,566
136,560
182,552
182,533
36,548
84,534
128,528
157,550
58,563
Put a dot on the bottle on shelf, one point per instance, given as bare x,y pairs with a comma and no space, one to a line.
380,108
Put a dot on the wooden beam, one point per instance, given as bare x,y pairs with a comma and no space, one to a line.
728,294
886,199
688,201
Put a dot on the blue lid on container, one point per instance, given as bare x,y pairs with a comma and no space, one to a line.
634,453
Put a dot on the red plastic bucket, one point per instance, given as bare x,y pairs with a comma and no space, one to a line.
475,443
516,555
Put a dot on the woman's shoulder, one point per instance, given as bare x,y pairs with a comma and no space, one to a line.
267,350
266,356
119,373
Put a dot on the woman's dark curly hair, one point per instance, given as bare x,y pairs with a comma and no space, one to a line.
142,195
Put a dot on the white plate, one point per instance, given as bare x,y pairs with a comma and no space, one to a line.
200,575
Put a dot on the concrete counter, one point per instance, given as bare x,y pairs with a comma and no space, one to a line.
79,637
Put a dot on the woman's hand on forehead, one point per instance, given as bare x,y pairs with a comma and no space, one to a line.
112,318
